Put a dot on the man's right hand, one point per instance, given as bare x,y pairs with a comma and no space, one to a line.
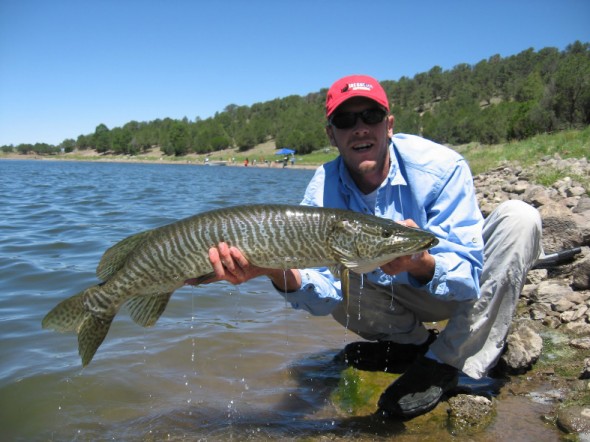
229,264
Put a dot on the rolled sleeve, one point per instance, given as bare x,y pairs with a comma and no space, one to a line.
319,293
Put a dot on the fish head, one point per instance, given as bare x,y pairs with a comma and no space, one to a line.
366,243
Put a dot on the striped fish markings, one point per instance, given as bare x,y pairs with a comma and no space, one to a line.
143,270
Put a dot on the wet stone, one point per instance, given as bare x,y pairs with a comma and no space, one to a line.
574,419
470,414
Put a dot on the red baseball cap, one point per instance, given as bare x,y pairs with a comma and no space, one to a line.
354,86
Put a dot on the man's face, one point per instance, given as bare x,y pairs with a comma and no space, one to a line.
364,146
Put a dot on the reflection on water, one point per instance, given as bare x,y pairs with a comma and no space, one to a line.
222,363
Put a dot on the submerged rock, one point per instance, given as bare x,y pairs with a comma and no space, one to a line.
574,419
470,414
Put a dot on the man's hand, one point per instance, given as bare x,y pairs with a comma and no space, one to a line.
419,265
229,264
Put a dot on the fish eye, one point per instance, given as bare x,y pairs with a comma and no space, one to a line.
386,233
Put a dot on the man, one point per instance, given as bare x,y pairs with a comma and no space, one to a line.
419,183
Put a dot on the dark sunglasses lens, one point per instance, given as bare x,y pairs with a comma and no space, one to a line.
343,120
346,120
373,116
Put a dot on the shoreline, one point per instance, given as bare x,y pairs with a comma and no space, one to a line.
186,161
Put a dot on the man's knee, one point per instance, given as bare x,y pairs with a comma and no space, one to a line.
520,215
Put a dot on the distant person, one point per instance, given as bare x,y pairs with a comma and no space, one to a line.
472,278
292,160
246,162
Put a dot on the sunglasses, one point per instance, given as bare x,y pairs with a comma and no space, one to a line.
346,120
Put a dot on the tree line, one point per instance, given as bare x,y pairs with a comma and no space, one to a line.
496,100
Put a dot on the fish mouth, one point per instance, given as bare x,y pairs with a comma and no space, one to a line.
431,243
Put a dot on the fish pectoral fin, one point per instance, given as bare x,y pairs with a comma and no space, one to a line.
114,258
203,279
345,286
342,273
92,332
146,310
336,270
354,266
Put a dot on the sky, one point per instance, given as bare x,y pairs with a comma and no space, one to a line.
67,66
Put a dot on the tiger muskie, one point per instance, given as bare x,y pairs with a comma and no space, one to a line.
143,270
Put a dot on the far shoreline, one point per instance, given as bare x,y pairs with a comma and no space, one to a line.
186,161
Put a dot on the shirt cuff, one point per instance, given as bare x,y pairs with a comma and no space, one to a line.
316,295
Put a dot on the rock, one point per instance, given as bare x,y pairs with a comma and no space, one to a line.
470,414
536,276
582,344
583,205
585,374
561,229
523,348
536,196
551,322
580,328
574,419
563,305
581,274
575,191
551,291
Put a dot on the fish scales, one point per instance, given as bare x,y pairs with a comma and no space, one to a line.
144,270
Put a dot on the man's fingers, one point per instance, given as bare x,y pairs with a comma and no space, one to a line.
238,258
227,258
216,262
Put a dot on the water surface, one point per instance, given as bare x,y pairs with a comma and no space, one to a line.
223,362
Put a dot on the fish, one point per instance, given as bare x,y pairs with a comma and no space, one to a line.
142,271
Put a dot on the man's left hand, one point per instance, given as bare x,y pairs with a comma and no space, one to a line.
420,265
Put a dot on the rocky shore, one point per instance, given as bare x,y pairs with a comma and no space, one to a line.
547,353
553,317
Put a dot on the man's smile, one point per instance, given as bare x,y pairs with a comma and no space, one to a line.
362,147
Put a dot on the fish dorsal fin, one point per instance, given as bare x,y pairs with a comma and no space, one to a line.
145,310
114,258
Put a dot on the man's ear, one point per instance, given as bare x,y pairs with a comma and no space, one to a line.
330,133
390,124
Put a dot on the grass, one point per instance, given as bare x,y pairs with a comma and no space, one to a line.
528,153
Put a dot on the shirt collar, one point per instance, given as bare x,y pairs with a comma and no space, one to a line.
395,176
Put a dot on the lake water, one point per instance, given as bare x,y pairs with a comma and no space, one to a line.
223,362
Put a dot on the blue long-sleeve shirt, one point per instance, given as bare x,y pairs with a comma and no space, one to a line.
428,183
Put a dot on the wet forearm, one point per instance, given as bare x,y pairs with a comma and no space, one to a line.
285,280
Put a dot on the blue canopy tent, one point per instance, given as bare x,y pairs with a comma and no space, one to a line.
285,151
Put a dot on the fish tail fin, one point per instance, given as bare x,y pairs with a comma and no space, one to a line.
72,315
92,332
66,316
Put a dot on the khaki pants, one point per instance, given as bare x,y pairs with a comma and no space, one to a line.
475,333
